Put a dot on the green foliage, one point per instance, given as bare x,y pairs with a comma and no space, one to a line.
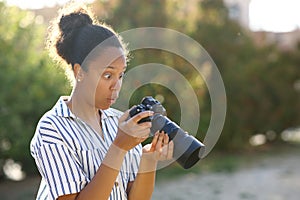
134,14
30,83
130,14
259,82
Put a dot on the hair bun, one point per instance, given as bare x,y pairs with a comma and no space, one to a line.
74,20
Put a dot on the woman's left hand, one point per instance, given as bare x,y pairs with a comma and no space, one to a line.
160,147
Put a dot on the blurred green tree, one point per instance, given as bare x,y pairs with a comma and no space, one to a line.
30,82
259,81
130,14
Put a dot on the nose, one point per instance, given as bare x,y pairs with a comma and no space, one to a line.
116,85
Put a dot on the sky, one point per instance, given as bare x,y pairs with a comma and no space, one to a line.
267,15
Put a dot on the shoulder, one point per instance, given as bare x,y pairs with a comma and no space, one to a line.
47,129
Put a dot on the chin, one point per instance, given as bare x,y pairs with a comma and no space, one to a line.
104,106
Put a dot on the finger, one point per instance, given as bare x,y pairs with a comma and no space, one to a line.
146,124
170,150
166,139
143,126
165,147
133,127
141,115
155,139
135,130
125,116
142,133
164,153
159,142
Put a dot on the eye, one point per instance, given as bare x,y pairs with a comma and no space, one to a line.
107,75
122,75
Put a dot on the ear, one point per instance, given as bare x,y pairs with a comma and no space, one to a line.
78,72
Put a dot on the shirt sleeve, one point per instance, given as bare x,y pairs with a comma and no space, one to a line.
60,170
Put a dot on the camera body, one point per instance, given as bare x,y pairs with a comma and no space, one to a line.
187,149
147,104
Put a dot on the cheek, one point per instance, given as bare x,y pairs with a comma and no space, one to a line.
102,87
120,83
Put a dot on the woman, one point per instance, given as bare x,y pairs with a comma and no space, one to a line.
83,148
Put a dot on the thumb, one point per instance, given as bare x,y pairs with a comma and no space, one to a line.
125,116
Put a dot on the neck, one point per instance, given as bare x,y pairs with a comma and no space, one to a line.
84,110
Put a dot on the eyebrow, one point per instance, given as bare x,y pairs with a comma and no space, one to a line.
112,67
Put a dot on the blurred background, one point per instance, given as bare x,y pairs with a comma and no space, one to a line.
254,43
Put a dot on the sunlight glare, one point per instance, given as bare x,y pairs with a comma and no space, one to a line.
13,170
258,139
38,4
291,135
274,15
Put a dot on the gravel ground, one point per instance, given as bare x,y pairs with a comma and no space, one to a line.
275,178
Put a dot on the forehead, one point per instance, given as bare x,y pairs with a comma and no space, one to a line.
120,62
102,58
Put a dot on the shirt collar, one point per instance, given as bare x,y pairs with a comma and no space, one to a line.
61,109
111,112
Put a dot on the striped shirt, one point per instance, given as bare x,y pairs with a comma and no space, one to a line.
68,152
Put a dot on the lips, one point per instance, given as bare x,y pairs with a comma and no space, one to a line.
113,98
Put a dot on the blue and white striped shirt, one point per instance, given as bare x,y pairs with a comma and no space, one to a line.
68,152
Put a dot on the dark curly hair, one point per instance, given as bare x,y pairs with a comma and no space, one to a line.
76,32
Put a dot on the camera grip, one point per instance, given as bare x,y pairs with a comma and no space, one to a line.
137,109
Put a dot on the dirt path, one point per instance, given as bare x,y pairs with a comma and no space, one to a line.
275,178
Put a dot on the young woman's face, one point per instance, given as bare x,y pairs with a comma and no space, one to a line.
103,79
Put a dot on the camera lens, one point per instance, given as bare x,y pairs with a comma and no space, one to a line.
187,149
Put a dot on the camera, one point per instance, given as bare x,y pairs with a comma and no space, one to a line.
187,149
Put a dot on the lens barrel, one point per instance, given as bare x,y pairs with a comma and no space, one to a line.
187,149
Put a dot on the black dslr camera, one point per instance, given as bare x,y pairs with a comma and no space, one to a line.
187,149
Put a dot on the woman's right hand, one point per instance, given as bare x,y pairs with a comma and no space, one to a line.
130,132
